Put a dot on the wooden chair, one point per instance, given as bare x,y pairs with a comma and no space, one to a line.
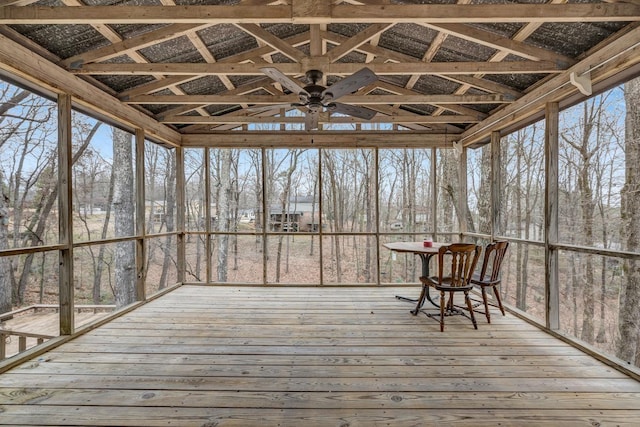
464,257
489,276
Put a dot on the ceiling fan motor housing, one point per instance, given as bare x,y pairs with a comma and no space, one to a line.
315,98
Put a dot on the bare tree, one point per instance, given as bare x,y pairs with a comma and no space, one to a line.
628,346
523,187
124,209
223,190
169,213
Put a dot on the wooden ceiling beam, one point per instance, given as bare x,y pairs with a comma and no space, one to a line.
323,118
297,13
220,68
348,99
318,139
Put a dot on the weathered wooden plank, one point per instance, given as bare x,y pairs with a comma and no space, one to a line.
109,416
313,360
408,350
326,371
337,342
338,400
330,384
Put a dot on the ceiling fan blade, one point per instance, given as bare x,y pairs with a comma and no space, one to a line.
311,120
354,110
349,84
285,81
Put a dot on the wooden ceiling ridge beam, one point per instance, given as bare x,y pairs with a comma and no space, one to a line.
299,12
613,56
220,68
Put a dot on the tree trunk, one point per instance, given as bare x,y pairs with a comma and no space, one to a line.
629,316
5,264
484,192
169,215
97,275
124,211
224,213
521,288
6,274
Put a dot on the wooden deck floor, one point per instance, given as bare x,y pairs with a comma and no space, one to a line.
246,356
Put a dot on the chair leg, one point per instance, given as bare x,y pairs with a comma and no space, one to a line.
496,294
486,304
473,318
450,302
442,304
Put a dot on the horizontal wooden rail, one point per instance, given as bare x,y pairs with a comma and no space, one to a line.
22,340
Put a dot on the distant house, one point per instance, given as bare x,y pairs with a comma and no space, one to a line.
247,216
301,215
157,210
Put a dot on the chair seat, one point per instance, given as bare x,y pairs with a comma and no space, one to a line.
475,279
446,284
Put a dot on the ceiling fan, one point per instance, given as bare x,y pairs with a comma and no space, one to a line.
317,98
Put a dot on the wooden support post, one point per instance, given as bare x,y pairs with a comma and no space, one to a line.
65,221
320,211
496,188
376,201
434,193
552,290
462,194
3,345
265,218
207,211
141,253
180,214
